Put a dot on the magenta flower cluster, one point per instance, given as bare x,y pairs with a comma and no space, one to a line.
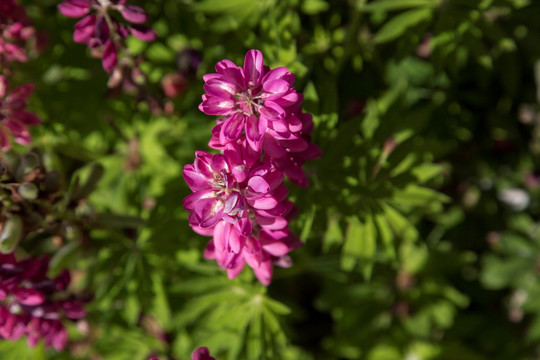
29,303
239,197
14,118
100,31
15,30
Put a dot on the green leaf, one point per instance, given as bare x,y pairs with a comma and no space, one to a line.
427,171
418,196
115,221
443,313
369,247
360,245
237,11
386,235
132,309
313,7
277,307
333,234
384,352
400,224
63,256
499,273
308,224
254,340
162,309
400,23
81,192
413,257
159,53
21,351
390,5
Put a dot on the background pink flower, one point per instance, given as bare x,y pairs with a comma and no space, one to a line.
29,303
14,118
98,28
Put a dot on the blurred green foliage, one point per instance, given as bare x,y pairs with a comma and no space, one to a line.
420,226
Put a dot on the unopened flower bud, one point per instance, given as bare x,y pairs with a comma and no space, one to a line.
11,234
28,191
11,161
29,162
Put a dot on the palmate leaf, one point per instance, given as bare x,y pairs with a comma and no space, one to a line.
382,191
232,317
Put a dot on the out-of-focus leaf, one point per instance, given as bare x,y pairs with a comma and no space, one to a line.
400,23
390,5
82,191
20,350
360,245
162,309
64,256
118,221
312,7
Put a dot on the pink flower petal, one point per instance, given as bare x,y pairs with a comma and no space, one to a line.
20,93
264,203
84,29
271,223
74,8
4,139
143,33
234,272
264,272
217,106
30,297
272,111
110,56
26,117
276,86
258,185
18,130
134,14
4,84
235,240
195,180
191,201
59,337
281,73
253,134
232,128
272,147
253,66
220,88
218,163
